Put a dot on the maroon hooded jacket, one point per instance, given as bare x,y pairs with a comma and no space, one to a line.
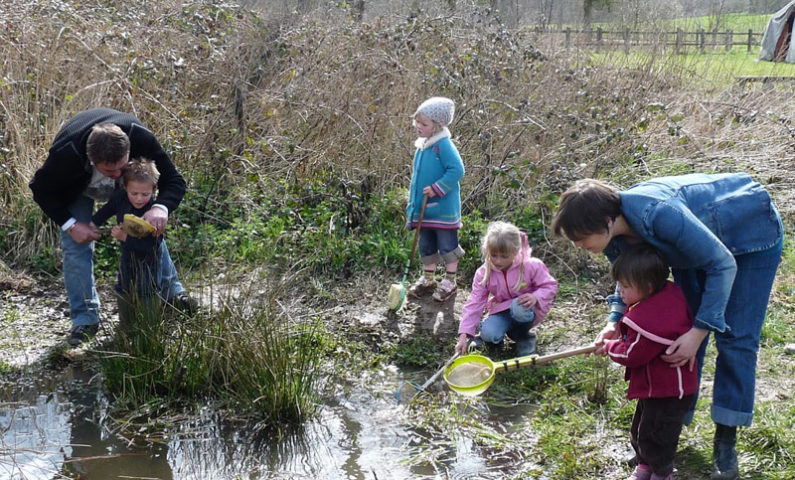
647,329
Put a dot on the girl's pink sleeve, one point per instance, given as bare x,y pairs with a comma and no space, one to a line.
474,306
542,285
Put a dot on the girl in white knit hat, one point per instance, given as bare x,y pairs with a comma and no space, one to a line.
436,171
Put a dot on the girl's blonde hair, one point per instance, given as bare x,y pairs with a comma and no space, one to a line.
504,238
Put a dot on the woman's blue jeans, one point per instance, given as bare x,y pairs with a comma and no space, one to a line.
78,271
735,366
515,322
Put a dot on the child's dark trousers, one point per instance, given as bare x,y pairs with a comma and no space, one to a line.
655,430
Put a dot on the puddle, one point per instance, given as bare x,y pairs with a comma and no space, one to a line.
56,426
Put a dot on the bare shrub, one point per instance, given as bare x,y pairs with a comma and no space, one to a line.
175,67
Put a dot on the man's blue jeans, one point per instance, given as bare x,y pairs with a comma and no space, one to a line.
78,271
735,366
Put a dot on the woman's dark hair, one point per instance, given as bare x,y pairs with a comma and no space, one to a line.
585,208
642,266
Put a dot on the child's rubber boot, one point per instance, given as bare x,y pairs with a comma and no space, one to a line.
527,346
476,344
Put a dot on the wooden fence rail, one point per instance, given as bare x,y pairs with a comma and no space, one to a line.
679,40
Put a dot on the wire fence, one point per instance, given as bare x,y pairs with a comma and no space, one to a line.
679,40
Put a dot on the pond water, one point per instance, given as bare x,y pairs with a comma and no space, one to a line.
55,425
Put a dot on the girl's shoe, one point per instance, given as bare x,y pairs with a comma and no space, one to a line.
526,347
422,287
642,472
445,290
476,343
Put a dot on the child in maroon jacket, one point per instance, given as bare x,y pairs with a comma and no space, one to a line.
656,315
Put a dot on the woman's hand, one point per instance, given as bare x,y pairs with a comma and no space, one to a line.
683,350
462,347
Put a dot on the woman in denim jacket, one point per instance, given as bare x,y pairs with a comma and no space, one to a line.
722,237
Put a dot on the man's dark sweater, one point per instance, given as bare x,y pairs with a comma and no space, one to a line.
67,172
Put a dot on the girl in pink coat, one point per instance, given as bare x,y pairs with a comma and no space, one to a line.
513,287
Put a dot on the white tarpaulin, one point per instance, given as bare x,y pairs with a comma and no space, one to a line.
777,39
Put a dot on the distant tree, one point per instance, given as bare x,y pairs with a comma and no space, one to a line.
546,12
717,10
589,5
508,9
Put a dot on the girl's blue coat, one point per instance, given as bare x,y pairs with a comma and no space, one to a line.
438,165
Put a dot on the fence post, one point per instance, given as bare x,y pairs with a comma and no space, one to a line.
750,39
679,37
714,38
626,40
598,38
568,37
702,39
729,40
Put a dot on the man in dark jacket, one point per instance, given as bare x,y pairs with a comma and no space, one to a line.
84,162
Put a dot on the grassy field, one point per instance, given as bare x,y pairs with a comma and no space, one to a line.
707,71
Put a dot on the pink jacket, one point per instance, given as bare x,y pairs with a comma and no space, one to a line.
646,329
498,294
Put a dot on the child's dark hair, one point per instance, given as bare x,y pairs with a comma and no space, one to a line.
642,266
140,170
585,208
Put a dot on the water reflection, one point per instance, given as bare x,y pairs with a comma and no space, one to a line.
57,427
32,436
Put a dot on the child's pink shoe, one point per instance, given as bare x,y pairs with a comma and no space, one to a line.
642,472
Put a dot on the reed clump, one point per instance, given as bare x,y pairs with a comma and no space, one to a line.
248,355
